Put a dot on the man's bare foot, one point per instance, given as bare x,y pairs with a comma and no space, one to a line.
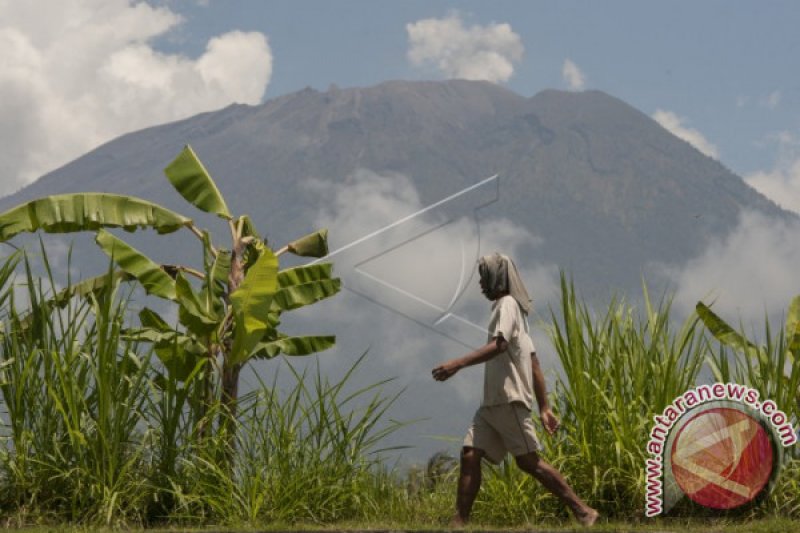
588,517
457,522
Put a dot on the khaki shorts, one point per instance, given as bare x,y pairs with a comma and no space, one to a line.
498,429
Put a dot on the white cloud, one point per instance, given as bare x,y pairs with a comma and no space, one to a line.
752,271
87,72
473,53
782,183
772,100
676,125
786,140
573,76
769,101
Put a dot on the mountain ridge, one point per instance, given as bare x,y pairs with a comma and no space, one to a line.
606,187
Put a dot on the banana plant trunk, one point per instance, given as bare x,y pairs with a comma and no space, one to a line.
230,388
230,371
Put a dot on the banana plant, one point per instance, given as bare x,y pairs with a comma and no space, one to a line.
772,367
230,314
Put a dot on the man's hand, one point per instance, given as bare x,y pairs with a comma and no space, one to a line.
549,421
446,370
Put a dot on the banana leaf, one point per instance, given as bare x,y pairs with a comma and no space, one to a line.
191,311
179,353
295,296
217,281
152,320
793,328
190,178
253,252
154,280
304,274
248,228
95,285
723,332
312,245
294,346
180,360
221,267
273,320
65,213
251,304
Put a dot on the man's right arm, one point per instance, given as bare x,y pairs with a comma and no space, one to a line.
447,369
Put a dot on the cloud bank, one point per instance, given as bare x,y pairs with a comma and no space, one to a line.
676,125
456,51
782,183
87,71
750,273
573,76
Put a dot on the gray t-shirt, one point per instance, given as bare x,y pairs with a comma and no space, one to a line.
508,377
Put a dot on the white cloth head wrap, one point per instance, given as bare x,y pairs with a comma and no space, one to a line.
500,275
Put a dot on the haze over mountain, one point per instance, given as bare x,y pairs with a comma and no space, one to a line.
586,183
603,185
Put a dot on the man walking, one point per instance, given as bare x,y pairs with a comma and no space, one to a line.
512,377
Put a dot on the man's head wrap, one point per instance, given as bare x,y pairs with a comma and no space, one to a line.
500,275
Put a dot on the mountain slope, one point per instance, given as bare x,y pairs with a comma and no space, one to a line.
604,185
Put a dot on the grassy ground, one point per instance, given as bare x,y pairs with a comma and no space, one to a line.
769,525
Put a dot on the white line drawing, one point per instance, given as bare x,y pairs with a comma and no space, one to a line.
351,258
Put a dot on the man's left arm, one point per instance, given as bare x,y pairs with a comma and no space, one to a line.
549,420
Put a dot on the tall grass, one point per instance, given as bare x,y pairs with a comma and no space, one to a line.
307,453
96,433
73,389
620,368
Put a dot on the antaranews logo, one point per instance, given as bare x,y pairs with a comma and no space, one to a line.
716,444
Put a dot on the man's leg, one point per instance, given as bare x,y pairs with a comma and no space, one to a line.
469,481
555,483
